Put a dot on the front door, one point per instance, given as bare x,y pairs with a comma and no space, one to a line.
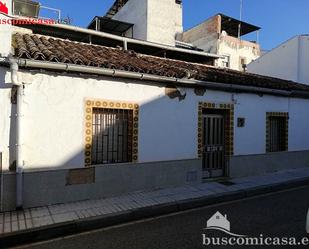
213,145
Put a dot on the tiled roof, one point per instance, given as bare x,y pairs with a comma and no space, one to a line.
57,50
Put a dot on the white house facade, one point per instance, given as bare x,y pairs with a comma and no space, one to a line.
221,35
287,61
86,121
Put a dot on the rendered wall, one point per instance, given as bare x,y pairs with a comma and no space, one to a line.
209,37
288,61
164,21
253,165
204,35
135,12
53,119
282,62
7,120
52,187
53,133
237,49
154,20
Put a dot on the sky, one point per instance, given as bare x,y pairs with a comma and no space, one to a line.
280,20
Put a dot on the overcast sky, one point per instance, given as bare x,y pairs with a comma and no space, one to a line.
279,19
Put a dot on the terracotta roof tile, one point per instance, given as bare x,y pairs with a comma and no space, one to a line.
56,50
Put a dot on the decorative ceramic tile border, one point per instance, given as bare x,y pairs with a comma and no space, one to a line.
277,114
229,126
108,104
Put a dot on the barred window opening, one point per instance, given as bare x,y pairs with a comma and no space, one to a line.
112,136
277,133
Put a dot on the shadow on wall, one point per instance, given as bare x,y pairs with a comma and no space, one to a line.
154,118
114,142
9,93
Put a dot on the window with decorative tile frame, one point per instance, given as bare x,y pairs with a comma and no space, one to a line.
111,132
277,127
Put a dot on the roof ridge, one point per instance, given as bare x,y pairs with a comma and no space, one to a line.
47,48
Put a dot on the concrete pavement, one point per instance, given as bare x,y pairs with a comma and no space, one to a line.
56,220
280,214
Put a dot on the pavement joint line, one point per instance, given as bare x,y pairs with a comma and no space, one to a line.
50,214
164,208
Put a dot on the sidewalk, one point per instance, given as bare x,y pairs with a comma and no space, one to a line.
63,219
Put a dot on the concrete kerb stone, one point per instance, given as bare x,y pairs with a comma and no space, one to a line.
73,227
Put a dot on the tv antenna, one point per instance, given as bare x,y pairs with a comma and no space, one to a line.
240,18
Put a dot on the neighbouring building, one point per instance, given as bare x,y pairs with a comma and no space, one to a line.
161,21
154,20
287,61
221,35
88,115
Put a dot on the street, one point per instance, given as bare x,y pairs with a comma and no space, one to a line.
281,214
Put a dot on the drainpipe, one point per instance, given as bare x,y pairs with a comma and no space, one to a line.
19,147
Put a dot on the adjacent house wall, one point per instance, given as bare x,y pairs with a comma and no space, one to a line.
288,61
164,21
209,37
154,20
237,49
135,12
205,35
281,62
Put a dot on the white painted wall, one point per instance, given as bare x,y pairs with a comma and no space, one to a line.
251,139
7,119
135,11
154,20
164,21
5,31
209,37
236,49
54,119
288,61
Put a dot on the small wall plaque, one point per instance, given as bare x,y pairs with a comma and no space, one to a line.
241,122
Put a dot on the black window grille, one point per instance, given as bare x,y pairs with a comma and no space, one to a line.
277,134
112,136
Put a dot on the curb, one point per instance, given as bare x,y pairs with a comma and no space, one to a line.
75,227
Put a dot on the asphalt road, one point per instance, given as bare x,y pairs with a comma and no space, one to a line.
280,214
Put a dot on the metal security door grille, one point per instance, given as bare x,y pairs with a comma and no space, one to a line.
214,148
112,136
277,134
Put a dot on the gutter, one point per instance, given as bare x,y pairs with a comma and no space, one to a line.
19,145
26,63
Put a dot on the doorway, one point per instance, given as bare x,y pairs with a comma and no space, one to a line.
215,138
213,145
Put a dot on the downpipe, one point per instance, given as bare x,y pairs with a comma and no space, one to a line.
19,145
